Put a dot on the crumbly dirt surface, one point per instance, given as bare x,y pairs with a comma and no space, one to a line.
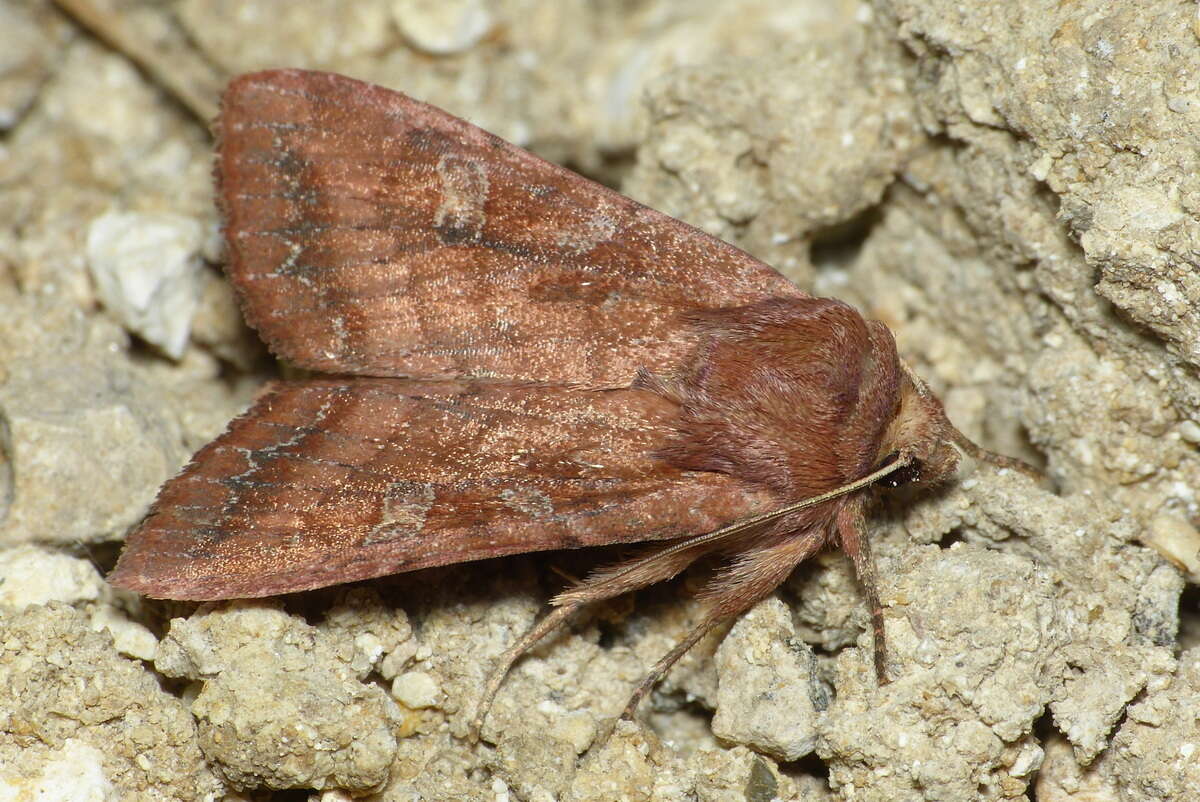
1013,188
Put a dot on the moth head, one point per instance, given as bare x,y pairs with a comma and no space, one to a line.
920,433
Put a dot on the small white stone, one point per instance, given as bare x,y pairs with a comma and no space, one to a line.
1041,168
416,689
1174,537
1028,760
1180,104
147,273
33,575
369,646
129,637
75,773
1190,430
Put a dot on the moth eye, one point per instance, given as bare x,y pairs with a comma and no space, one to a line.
902,476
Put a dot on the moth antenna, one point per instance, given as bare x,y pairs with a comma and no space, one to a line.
980,453
966,444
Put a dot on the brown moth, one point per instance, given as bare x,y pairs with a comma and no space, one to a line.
516,359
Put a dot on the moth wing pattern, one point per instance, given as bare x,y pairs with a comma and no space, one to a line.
372,234
331,480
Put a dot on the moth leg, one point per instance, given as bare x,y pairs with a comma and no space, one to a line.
513,653
748,581
602,584
660,669
851,528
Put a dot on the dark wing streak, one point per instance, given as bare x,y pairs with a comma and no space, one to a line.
271,158
593,488
313,193
592,502
474,403
299,457
466,407
309,228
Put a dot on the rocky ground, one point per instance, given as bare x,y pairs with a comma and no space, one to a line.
1012,187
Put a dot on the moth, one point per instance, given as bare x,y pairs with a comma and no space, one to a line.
510,358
